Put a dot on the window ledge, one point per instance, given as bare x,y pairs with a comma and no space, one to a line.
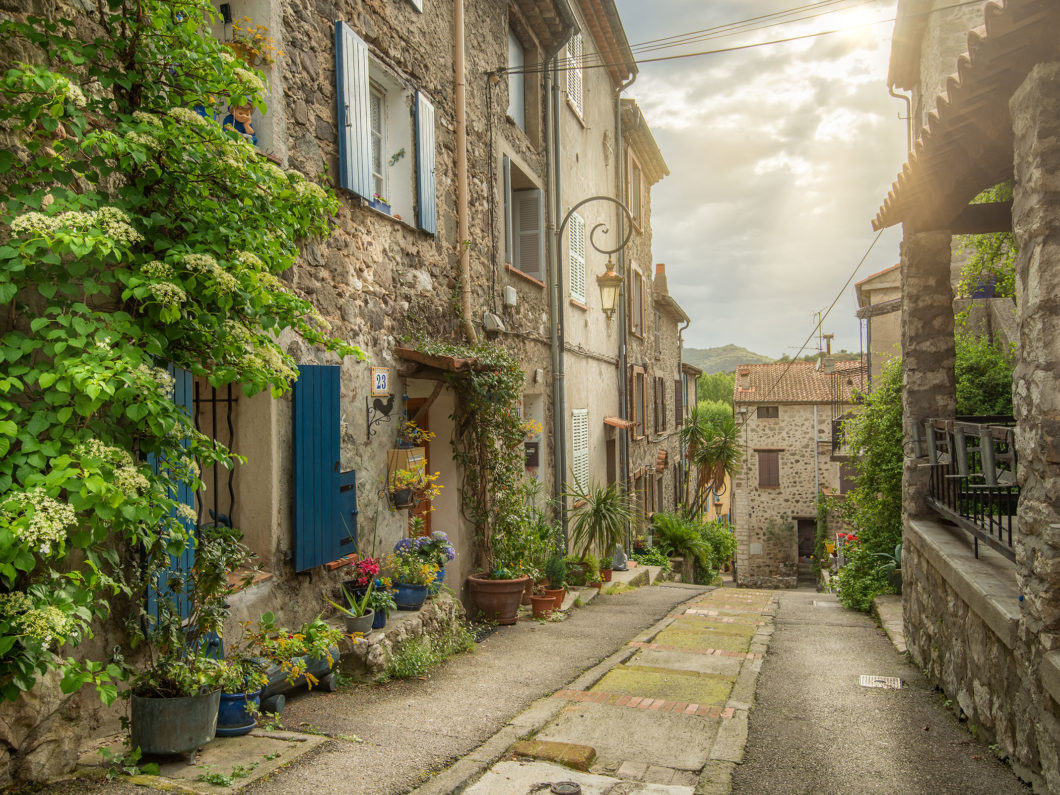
516,272
397,219
574,110
235,579
579,304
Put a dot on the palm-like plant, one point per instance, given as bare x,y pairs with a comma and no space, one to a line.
678,535
713,449
600,517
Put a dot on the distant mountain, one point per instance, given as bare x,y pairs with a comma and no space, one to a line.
723,359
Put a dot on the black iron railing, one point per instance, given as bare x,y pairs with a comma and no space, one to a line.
973,477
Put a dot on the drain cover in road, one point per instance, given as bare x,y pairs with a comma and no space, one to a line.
886,682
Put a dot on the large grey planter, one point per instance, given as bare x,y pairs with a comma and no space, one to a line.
173,725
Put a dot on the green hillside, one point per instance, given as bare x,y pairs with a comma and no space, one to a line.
723,359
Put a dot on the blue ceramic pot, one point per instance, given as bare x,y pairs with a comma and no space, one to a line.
409,597
436,586
233,716
379,619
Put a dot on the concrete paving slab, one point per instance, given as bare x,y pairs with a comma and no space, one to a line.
711,626
692,639
888,609
667,683
688,661
621,734
731,739
715,779
516,778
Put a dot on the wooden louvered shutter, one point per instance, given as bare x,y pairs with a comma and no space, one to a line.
529,242
576,257
574,73
355,138
318,521
579,422
426,188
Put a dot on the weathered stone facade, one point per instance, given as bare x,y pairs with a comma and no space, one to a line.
785,418
987,629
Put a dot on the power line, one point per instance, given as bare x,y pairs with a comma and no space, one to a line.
831,306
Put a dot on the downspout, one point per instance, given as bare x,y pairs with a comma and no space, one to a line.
463,236
559,405
908,117
816,469
623,359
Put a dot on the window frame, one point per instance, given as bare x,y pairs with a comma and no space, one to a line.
637,413
377,139
636,302
767,413
516,78
765,456
635,189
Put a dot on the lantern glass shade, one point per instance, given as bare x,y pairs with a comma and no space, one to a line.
609,284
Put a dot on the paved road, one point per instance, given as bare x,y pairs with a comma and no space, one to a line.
814,729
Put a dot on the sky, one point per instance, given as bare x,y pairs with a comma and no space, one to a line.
779,156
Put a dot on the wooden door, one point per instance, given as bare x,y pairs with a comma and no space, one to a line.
422,508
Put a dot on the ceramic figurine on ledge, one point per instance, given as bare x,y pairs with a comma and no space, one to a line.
238,119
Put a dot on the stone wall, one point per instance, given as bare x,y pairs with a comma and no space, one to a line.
765,518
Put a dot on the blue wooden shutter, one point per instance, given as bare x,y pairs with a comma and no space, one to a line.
183,391
426,191
351,79
318,523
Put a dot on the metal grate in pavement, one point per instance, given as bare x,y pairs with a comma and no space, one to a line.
886,682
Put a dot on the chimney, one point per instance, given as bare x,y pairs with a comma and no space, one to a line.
660,278
827,344
745,377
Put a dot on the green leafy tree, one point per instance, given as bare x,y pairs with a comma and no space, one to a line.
716,387
713,444
992,257
136,234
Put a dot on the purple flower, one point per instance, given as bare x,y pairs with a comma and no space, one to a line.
403,544
422,542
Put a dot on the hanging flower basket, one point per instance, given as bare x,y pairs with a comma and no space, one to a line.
403,498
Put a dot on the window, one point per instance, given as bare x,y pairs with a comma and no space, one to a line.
612,461
636,302
516,81
677,484
637,396
576,257
660,404
579,426
768,412
524,222
635,190
658,493
640,497
768,469
679,408
657,334
847,472
649,496
386,135
377,107
574,74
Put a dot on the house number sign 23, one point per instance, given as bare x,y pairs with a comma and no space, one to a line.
380,381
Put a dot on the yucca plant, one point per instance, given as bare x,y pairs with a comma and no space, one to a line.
599,518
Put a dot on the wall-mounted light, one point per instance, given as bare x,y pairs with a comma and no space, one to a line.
609,284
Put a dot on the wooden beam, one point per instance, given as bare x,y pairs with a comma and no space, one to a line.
981,219
438,387
884,308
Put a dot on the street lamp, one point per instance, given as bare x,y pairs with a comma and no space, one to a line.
609,283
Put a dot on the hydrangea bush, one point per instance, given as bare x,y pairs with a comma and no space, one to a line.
135,235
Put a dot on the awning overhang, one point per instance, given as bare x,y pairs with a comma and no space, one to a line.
966,145
423,363
618,422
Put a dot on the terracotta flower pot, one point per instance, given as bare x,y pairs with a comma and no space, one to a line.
528,591
497,600
558,594
543,605
605,575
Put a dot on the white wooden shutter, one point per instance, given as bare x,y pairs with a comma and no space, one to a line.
516,81
579,425
576,257
351,77
529,223
426,189
509,229
417,4
574,72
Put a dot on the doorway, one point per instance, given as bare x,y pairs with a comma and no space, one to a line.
422,508
807,530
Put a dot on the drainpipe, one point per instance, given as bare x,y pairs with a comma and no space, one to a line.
816,468
908,117
555,207
463,236
623,358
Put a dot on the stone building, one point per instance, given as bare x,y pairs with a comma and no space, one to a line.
451,184
787,414
879,306
981,590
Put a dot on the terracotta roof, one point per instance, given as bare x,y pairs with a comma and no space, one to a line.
605,25
877,273
636,130
966,145
797,382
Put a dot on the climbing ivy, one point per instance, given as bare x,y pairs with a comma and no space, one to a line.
136,234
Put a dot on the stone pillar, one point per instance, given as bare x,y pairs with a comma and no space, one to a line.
1035,109
927,350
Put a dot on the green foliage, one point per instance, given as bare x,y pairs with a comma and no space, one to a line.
138,234
415,657
653,556
820,552
599,518
993,256
715,412
861,580
678,535
716,388
984,375
714,451
556,570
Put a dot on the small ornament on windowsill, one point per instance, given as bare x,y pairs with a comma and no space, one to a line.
238,119
379,203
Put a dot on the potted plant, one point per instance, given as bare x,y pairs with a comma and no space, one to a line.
434,548
412,435
891,566
556,572
365,571
382,602
599,519
412,574
379,203
241,683
175,697
542,603
356,613
409,486
253,44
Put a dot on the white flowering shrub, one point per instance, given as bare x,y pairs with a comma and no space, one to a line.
135,233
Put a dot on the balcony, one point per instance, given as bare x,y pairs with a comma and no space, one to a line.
973,477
